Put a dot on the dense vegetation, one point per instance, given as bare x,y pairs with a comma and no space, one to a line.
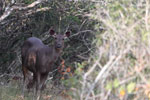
105,58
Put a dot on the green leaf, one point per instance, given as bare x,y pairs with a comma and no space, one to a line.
73,18
109,86
116,83
131,87
78,71
80,65
121,88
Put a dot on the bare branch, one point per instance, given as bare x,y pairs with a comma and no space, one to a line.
29,6
9,9
6,13
108,66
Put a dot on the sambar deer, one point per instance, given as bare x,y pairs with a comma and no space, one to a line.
39,59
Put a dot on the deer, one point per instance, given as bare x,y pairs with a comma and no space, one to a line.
39,59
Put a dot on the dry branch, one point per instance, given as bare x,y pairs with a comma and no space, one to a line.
107,68
10,9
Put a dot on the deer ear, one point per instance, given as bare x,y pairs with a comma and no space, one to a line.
67,33
52,32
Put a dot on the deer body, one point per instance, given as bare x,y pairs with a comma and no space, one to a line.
39,59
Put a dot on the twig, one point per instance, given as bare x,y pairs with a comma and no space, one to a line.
84,31
146,14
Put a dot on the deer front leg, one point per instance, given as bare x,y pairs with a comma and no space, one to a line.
36,91
43,80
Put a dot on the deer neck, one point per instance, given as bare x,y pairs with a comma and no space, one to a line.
56,51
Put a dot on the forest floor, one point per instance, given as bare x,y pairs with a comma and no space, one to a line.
13,91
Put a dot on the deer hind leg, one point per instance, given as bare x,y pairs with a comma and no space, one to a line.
31,82
37,86
34,86
25,73
31,61
39,80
